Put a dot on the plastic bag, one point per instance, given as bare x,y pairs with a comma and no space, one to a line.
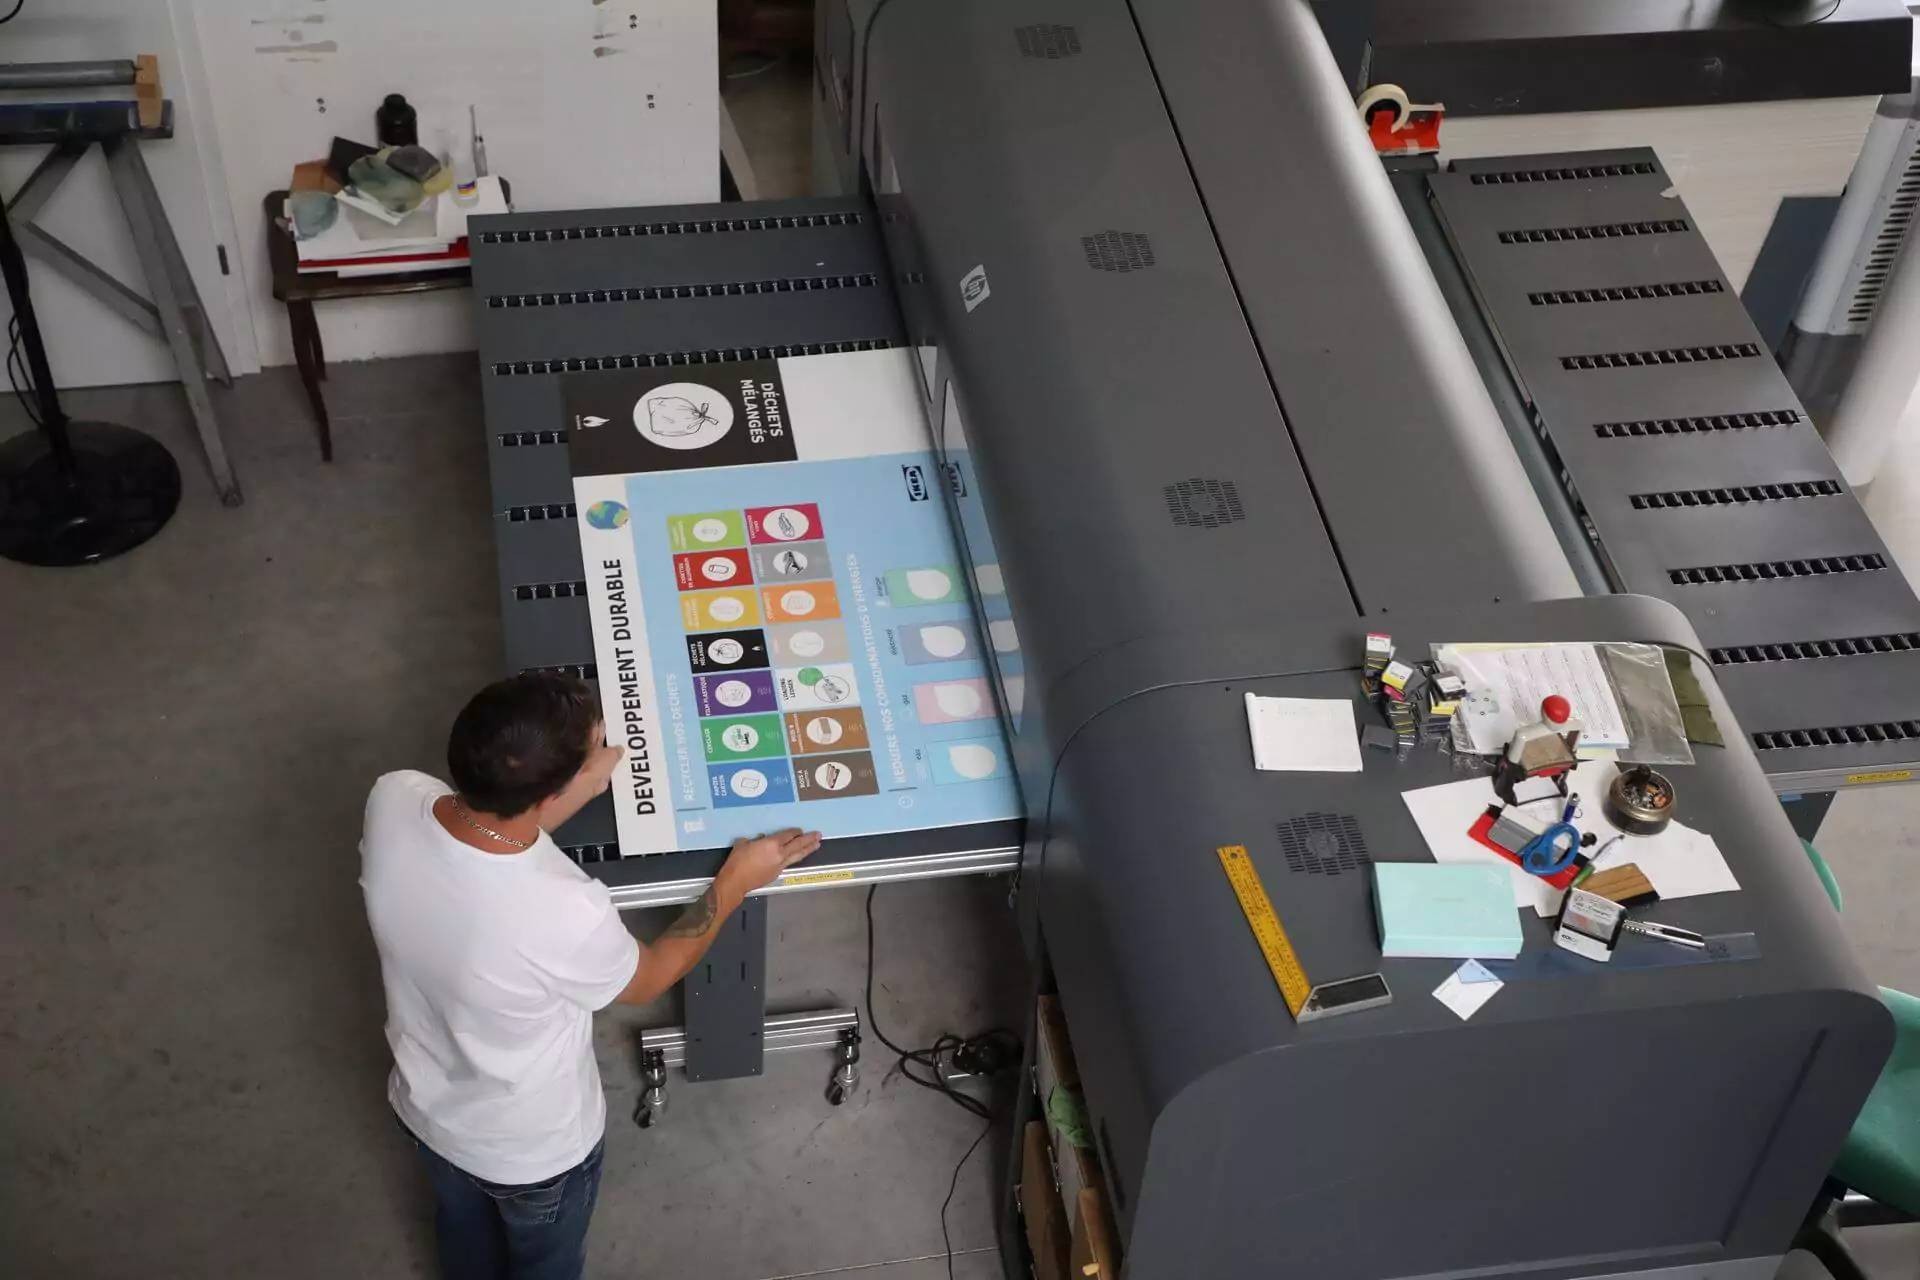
1656,733
677,416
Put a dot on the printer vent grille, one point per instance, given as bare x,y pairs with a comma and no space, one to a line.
1583,172
1813,567
1625,293
1846,735
1047,40
1687,426
654,359
708,226
1800,650
669,292
549,590
551,511
526,439
584,853
1734,495
1323,844
1122,251
1204,504
1668,355
1595,231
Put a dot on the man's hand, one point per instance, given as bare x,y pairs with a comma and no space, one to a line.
597,773
754,864
594,777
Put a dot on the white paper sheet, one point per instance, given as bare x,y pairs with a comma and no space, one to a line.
1506,684
1303,735
1467,988
1680,862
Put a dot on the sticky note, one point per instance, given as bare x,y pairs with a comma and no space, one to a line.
1467,989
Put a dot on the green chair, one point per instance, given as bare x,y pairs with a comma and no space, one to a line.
1881,1158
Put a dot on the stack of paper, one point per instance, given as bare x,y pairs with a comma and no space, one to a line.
1305,735
1680,862
1507,683
431,238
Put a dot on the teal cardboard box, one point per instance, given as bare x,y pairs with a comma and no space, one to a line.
1459,911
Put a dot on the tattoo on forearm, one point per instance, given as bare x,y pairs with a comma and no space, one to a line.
696,919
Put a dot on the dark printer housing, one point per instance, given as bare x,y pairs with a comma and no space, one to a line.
1217,430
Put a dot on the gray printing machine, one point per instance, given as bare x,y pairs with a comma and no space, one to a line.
1217,367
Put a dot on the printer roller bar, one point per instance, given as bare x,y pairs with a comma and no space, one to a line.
1680,443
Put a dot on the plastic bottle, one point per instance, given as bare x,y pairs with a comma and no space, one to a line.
466,181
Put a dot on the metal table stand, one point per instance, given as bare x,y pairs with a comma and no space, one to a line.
176,314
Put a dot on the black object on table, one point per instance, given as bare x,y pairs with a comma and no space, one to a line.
300,292
73,492
396,123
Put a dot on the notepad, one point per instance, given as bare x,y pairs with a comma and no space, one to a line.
1458,911
1467,988
1303,735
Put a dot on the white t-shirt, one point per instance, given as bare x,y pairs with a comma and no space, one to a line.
493,965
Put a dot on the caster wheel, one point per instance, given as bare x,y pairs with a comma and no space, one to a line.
836,1093
644,1117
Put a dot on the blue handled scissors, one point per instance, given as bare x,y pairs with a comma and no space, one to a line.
1552,851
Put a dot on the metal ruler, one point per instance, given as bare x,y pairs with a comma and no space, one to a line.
1267,930
1305,1001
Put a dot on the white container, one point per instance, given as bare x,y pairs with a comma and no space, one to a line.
466,180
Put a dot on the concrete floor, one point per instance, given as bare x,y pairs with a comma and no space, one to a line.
191,1063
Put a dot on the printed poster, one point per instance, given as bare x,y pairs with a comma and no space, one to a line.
783,627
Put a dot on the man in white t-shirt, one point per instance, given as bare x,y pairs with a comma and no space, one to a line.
495,951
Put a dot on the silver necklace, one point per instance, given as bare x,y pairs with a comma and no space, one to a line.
467,818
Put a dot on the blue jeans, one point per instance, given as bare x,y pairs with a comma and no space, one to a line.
487,1231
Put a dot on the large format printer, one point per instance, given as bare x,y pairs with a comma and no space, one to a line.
1196,337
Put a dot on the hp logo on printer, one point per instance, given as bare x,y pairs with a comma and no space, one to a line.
974,289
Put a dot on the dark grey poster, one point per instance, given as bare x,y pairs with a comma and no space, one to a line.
676,418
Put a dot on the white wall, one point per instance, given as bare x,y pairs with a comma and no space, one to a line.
583,103
87,344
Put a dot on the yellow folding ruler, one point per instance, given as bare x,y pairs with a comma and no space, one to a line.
1305,1001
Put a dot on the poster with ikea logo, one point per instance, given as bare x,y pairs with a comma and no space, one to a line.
782,626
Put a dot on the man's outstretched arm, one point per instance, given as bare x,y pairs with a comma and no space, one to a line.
752,864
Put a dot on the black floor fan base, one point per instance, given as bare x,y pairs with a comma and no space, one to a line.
126,488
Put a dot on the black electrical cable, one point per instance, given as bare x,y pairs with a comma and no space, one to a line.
952,1183
17,373
985,1052
13,12
865,89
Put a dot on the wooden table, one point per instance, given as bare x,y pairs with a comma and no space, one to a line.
300,292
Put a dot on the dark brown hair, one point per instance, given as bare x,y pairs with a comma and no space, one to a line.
520,740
